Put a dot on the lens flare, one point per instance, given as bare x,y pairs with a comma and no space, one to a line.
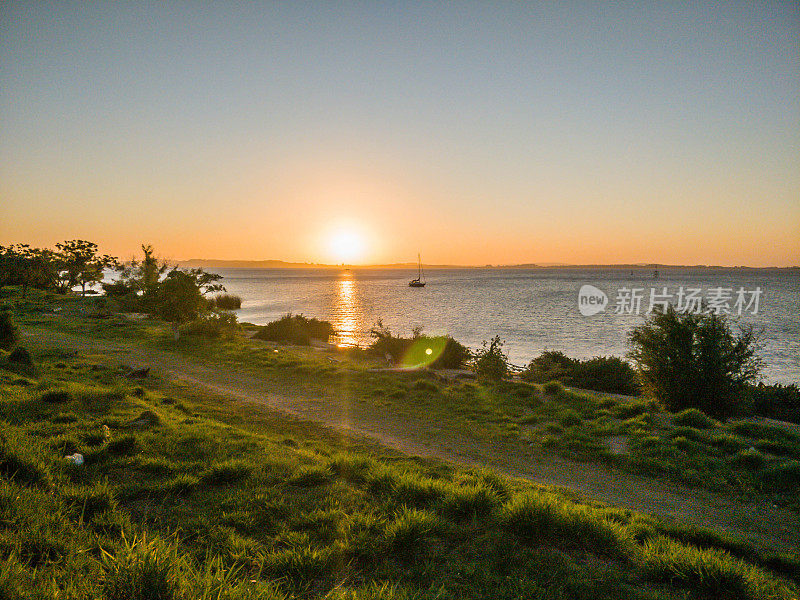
423,352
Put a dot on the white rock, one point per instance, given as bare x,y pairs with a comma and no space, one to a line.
75,459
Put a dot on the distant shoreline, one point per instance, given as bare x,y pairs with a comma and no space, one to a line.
280,264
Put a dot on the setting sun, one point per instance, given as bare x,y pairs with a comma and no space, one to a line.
346,245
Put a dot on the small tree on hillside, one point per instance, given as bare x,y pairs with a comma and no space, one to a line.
143,276
81,263
180,298
695,361
490,361
28,267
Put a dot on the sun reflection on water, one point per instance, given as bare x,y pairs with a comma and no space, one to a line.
345,312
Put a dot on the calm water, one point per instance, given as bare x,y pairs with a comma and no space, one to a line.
532,310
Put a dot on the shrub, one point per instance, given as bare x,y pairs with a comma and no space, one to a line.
491,362
438,352
454,355
9,333
605,374
218,325
691,417
601,373
780,402
695,361
226,302
550,365
295,329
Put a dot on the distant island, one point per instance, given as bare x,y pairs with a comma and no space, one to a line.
211,263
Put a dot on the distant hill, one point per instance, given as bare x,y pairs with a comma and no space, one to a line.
210,263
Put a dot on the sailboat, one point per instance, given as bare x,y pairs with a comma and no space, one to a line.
418,281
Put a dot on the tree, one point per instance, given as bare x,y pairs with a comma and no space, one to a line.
180,298
490,361
143,276
695,361
81,263
28,267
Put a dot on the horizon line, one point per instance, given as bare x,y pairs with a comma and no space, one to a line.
282,264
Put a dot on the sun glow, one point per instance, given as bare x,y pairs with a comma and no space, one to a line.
346,246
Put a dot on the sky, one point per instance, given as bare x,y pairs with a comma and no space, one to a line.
470,132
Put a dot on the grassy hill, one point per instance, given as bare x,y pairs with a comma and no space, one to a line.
189,494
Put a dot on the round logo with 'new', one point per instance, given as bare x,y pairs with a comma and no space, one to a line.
591,300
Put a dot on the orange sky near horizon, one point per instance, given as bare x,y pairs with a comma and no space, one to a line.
508,134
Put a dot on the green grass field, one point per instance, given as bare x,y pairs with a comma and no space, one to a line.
187,494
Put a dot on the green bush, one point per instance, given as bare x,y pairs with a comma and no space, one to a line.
438,352
295,329
454,355
550,365
216,325
695,361
9,333
601,373
491,363
780,402
605,374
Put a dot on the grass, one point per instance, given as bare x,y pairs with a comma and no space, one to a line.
313,518
206,498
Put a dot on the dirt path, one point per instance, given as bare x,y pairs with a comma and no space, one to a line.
765,525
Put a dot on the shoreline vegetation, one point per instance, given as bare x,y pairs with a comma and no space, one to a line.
184,492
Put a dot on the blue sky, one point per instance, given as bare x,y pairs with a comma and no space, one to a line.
474,132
